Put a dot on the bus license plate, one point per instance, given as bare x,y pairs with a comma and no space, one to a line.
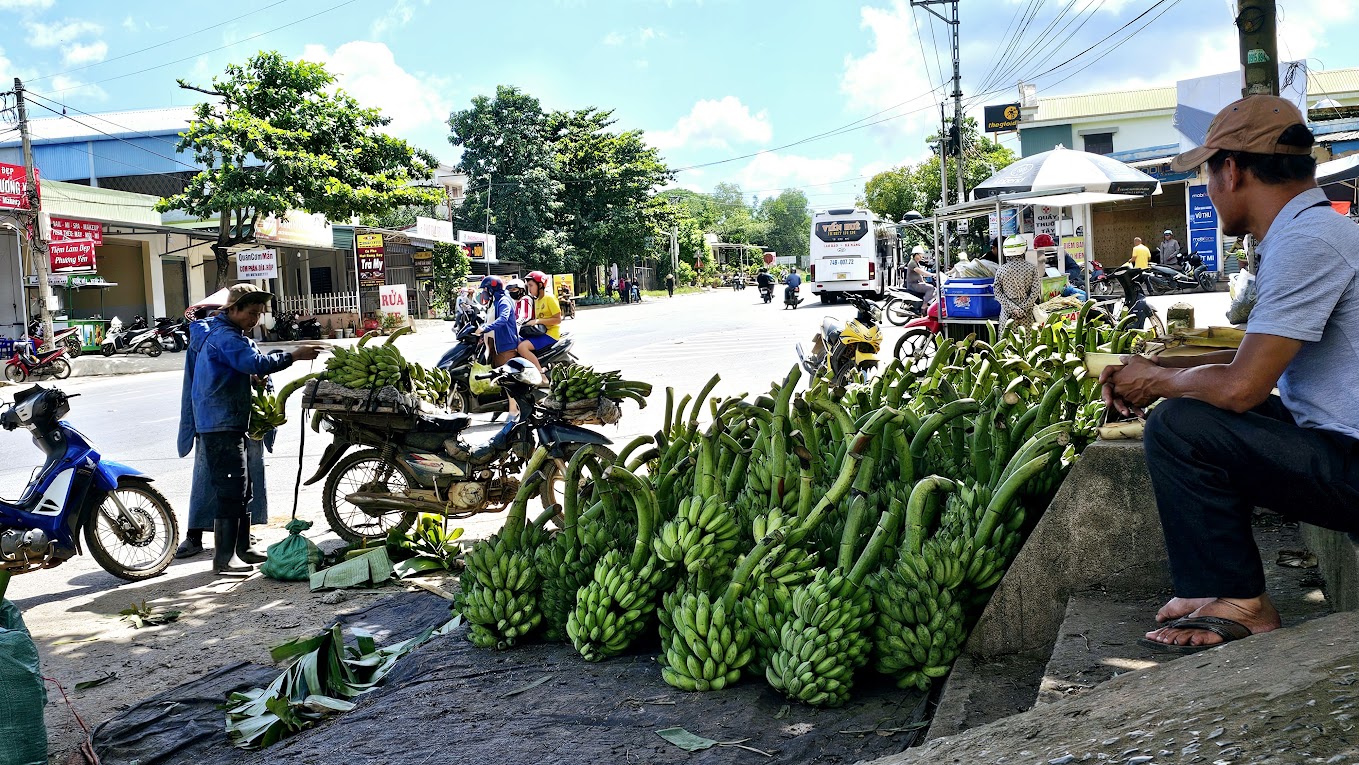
842,275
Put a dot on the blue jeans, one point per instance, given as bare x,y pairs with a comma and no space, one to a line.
203,499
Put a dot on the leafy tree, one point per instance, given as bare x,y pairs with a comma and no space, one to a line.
322,152
788,223
507,153
892,193
451,267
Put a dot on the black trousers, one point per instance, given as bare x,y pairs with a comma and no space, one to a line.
227,467
1210,468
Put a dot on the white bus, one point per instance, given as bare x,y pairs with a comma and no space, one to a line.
852,251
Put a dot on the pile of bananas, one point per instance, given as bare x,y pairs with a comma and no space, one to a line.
707,646
824,641
567,562
432,385
575,382
267,409
368,367
703,534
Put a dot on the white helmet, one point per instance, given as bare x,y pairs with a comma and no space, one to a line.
522,371
1015,246
919,249
516,284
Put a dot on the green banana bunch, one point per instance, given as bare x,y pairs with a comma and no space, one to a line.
577,382
567,562
367,366
704,532
824,642
613,608
920,628
707,646
267,410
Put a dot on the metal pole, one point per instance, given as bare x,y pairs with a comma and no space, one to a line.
37,247
486,245
958,101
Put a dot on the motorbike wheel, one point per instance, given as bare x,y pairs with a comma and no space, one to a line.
364,470
73,348
554,482
107,349
898,312
915,349
116,543
458,400
150,348
15,373
1207,281
1102,288
59,369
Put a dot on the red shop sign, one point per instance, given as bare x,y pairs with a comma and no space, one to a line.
65,229
71,256
14,187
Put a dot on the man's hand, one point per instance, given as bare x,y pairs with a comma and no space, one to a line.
1128,388
307,351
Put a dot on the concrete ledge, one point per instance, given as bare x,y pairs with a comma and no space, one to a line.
1337,562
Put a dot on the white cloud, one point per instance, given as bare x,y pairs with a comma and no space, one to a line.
642,63
767,173
7,5
41,35
72,89
369,72
716,124
639,39
130,24
892,73
84,53
614,39
399,15
645,35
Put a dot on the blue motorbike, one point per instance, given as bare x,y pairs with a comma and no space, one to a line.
128,526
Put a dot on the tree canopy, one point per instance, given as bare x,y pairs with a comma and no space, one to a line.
322,152
892,193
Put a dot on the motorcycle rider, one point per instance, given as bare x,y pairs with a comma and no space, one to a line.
793,281
221,413
916,276
1170,249
764,280
543,328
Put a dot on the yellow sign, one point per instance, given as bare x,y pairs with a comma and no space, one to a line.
564,280
369,241
1075,247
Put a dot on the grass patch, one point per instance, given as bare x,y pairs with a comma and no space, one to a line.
678,291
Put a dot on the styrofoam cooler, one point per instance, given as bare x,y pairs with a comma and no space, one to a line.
970,299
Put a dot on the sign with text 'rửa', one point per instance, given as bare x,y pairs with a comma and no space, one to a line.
71,256
257,264
392,298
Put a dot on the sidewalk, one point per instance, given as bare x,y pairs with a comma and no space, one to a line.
95,364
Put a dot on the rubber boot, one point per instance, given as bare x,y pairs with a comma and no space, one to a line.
225,532
243,550
487,451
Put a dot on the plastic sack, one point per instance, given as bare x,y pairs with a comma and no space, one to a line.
294,558
1239,312
21,704
480,386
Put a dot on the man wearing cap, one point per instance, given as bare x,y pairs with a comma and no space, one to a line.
1170,249
1220,444
226,361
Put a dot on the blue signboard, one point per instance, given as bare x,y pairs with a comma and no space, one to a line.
1009,225
1203,226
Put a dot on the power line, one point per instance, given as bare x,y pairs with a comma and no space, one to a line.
159,44
214,50
194,168
103,119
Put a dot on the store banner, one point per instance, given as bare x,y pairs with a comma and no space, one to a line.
424,264
372,266
1075,247
1009,225
1203,227
71,256
564,280
68,229
1045,220
14,187
392,299
257,264
1001,118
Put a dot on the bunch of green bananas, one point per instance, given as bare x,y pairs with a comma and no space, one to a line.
920,628
576,382
566,563
367,367
500,584
613,609
704,532
824,641
707,646
267,410
430,384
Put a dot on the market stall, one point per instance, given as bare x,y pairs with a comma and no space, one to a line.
69,286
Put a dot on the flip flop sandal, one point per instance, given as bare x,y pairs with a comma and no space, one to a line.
1226,629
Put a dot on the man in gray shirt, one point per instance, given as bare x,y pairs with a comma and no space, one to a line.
1170,249
1221,444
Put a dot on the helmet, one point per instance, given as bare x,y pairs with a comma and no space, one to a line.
1167,233
516,285
520,370
1043,240
1015,246
493,284
919,249
539,277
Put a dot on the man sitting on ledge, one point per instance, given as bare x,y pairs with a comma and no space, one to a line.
1221,444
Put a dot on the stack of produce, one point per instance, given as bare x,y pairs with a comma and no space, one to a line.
366,367
267,410
802,536
575,382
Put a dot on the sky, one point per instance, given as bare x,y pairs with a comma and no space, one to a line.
722,87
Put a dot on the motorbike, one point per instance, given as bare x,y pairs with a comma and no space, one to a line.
309,328
568,305
469,349
846,347
790,297
738,284
767,293
135,338
171,334
428,468
285,326
127,525
902,306
1193,275
25,363
69,337
1101,285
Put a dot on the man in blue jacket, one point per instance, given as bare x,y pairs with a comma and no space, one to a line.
221,413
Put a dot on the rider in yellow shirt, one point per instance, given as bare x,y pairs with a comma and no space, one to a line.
1141,256
547,314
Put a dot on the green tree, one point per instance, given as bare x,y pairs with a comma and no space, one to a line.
892,193
788,223
322,152
507,153
451,267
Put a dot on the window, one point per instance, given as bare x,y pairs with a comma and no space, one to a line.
1099,143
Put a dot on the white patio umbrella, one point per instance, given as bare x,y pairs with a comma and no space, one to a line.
1103,179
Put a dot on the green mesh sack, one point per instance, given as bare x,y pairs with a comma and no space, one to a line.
22,695
294,558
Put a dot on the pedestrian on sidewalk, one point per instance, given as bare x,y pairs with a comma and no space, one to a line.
223,368
624,291
670,284
1221,444
1141,256
608,287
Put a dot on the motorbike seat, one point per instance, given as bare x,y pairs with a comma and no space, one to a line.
442,423
830,329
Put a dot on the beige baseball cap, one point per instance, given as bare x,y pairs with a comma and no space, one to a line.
246,294
1253,124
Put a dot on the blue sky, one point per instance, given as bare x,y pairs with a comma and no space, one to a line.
708,80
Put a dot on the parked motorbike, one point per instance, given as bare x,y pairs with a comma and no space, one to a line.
136,338
171,334
309,328
128,526
285,326
69,337
1192,275
790,297
470,349
428,468
846,347
25,363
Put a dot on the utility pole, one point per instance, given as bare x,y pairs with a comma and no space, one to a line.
956,135
943,158
1257,34
37,248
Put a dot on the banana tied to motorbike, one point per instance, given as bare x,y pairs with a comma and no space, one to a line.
804,536
577,382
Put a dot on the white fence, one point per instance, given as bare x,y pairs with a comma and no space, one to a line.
329,302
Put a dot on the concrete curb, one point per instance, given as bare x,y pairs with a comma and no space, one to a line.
1337,562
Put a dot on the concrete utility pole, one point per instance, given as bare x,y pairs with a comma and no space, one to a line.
956,135
37,248
1256,29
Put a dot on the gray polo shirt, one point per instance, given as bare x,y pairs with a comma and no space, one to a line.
1309,291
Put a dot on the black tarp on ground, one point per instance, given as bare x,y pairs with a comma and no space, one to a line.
452,702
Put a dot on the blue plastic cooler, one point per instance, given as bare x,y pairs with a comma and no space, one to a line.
970,299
